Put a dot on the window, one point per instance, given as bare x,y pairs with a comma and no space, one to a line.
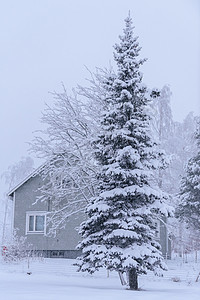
57,253
35,222
157,229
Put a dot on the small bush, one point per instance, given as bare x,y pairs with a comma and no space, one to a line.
17,249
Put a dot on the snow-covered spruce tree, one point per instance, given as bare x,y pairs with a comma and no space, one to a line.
119,231
189,207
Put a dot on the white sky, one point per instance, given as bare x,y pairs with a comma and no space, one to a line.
46,42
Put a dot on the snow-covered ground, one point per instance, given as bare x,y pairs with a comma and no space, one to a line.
57,279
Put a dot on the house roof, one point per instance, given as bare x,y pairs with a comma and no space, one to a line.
32,174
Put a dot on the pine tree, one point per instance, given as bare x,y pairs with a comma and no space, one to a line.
119,231
189,207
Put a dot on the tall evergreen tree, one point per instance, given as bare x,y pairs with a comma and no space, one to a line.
189,207
119,231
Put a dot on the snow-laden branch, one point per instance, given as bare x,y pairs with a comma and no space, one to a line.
71,123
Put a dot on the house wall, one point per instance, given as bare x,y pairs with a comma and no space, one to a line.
164,240
66,239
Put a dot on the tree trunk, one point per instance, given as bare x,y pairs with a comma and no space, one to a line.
122,280
133,279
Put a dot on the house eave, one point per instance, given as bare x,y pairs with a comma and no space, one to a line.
32,174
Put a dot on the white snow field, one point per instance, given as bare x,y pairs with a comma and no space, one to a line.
57,279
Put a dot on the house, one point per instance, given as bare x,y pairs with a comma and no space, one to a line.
29,218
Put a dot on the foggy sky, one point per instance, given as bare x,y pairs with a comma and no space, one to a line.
44,43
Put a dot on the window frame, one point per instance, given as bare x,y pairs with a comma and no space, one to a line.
34,214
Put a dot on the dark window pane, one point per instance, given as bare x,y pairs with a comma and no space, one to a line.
39,223
31,223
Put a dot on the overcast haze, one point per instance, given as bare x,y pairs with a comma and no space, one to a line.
44,43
